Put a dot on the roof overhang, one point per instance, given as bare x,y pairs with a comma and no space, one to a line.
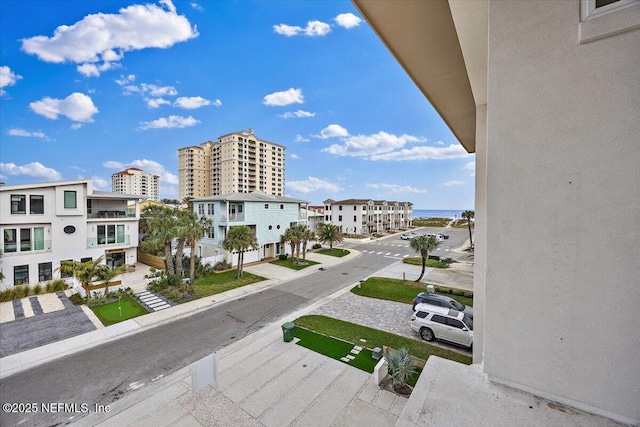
442,45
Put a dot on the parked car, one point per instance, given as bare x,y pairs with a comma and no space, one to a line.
409,236
443,236
442,324
438,237
438,300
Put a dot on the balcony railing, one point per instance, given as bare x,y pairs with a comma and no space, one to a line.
22,248
108,241
112,214
232,217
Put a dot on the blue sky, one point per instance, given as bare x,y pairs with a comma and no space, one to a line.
91,87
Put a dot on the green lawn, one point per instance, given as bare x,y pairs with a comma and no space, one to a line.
351,332
431,263
337,252
334,348
118,311
431,222
398,290
221,282
294,265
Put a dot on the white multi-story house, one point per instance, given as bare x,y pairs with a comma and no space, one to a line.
43,224
238,162
547,95
366,216
315,217
269,216
136,181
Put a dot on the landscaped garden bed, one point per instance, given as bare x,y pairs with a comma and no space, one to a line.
294,263
337,252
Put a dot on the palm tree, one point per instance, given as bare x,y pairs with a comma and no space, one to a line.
468,215
193,228
299,231
161,226
330,233
106,275
289,237
90,271
240,238
307,235
423,244
400,368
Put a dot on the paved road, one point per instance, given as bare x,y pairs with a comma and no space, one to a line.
106,373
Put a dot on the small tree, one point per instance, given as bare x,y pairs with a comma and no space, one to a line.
400,368
330,233
240,238
468,215
90,271
423,245
289,237
307,235
193,228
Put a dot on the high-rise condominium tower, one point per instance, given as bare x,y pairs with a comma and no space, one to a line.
136,181
238,162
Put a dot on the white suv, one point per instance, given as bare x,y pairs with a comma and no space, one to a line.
442,324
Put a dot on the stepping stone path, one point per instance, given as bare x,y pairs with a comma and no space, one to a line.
152,301
353,353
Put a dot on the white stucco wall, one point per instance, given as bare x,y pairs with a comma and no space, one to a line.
562,209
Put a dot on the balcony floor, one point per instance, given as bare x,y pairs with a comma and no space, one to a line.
452,394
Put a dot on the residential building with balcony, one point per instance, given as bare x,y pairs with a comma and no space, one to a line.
547,96
366,216
45,223
268,215
136,181
239,162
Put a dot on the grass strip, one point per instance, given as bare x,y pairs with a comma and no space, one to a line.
431,263
110,314
352,332
337,252
334,348
398,290
221,282
294,265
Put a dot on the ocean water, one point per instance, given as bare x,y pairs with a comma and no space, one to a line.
438,213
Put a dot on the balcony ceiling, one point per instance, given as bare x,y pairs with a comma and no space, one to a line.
448,65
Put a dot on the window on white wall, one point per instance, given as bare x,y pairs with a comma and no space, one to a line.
70,200
606,18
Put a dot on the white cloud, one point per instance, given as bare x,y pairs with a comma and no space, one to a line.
27,134
453,151
98,41
101,184
149,166
332,131
313,29
297,114
398,189
453,183
294,156
300,138
193,102
170,122
472,167
347,20
75,126
368,145
157,102
77,107
34,169
7,78
286,97
310,185
111,164
196,6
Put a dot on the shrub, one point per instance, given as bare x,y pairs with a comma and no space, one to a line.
317,246
22,291
282,257
58,285
222,265
173,294
4,295
76,299
37,289
11,295
400,368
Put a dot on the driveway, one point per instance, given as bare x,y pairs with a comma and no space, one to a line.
36,321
